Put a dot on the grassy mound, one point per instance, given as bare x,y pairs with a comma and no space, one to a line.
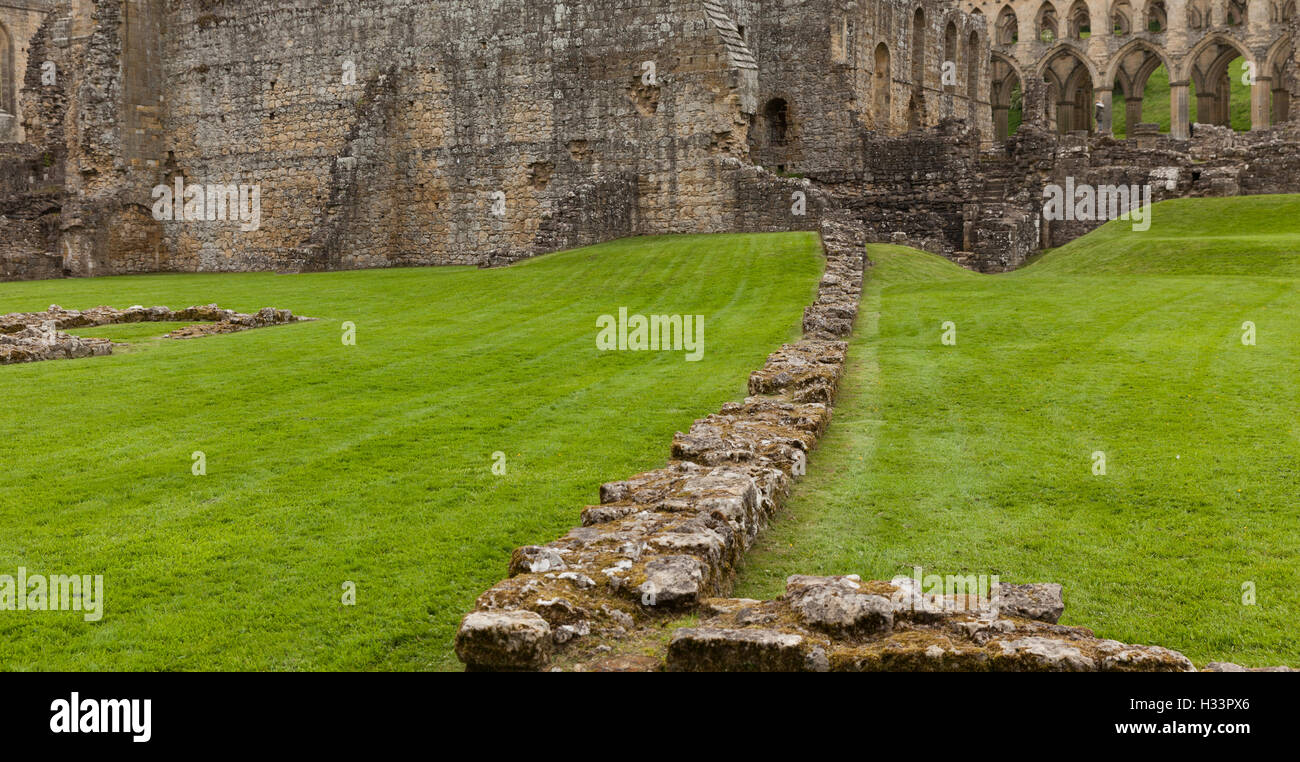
978,458
370,463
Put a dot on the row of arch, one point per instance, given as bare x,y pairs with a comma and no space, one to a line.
1124,17
1079,96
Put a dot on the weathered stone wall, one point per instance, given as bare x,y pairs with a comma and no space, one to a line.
880,71
984,209
30,183
451,105
19,20
389,132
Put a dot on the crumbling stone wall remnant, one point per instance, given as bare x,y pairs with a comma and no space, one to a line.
37,336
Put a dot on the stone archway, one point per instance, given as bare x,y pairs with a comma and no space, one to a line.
1280,67
1206,68
1130,69
1008,28
1006,95
1070,79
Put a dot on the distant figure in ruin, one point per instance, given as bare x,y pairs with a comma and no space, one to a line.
1101,109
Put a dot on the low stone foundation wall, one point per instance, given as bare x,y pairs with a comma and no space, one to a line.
841,624
38,336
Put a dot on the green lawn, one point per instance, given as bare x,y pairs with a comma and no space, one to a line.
369,463
977,458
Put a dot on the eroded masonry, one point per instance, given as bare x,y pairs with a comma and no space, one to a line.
379,133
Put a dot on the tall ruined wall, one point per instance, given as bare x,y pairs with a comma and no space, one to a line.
395,132
19,20
845,68
388,132
102,119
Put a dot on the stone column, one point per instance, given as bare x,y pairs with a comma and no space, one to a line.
1103,95
1001,121
1223,104
1132,112
1179,105
1175,24
1259,110
1206,107
1064,116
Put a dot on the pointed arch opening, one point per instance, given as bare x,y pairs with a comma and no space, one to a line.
1008,29
918,48
1238,13
1215,69
950,55
1157,17
1121,18
880,88
1006,96
1079,21
1069,79
1046,23
1198,14
1280,65
8,81
1140,90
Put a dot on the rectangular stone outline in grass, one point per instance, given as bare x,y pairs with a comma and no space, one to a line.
39,336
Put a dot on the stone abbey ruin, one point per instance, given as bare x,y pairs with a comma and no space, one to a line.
385,132
141,136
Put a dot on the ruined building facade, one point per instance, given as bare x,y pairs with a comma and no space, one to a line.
1069,55
385,133
394,132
